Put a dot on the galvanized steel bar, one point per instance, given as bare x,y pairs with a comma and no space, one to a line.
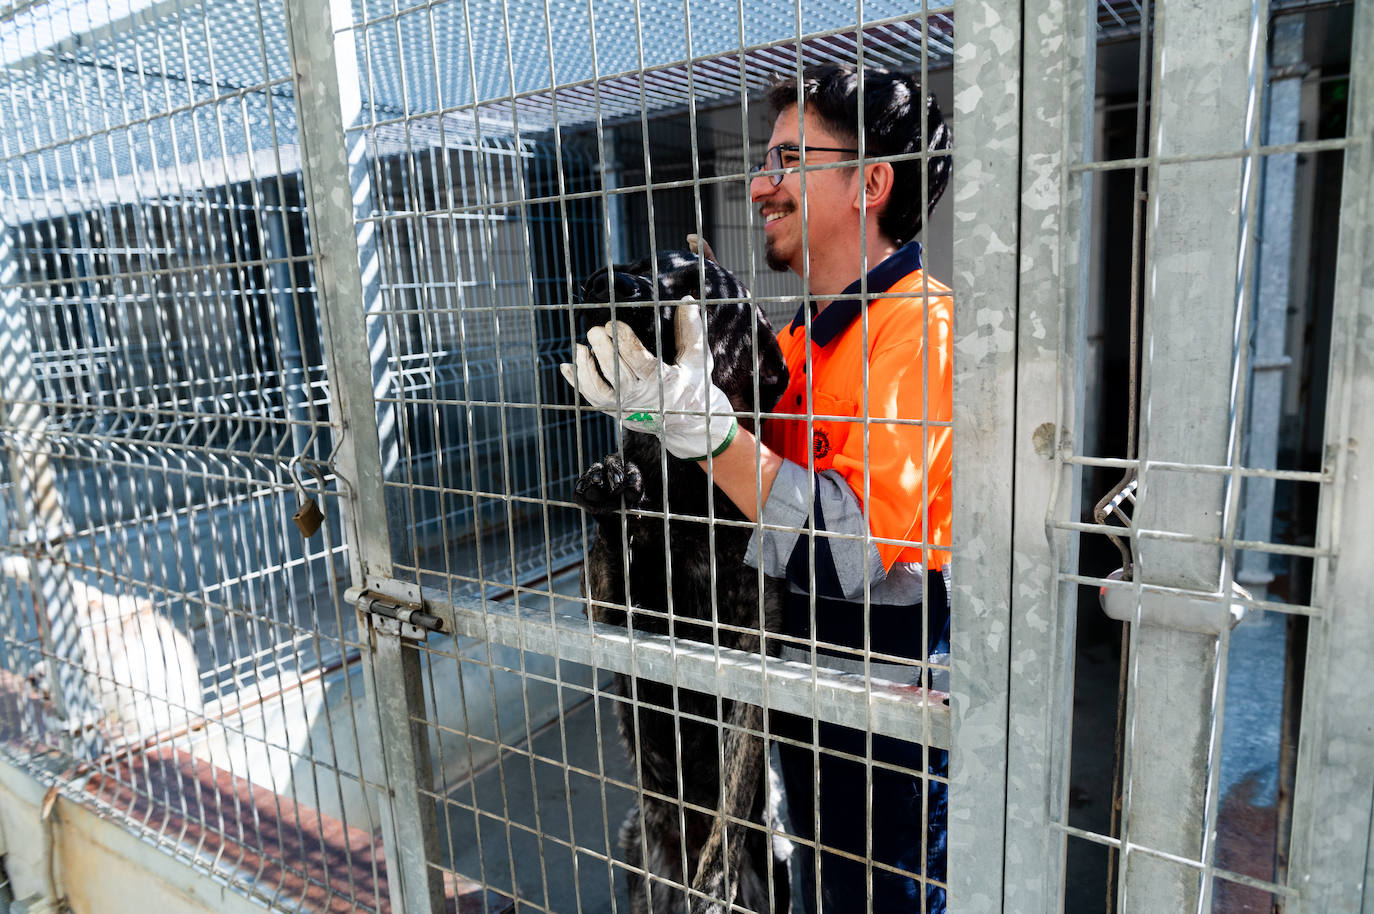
1203,69
347,265
897,710
986,223
338,182
1333,835
1056,132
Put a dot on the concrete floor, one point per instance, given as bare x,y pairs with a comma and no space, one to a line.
515,823
514,826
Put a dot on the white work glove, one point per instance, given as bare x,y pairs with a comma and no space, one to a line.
651,396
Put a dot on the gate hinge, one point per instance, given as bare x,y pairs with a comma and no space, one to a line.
408,619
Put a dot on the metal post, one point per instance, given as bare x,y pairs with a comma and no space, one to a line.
986,165
613,175
338,185
1056,134
1332,830
38,510
1204,56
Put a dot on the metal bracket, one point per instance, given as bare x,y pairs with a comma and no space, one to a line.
1205,614
406,618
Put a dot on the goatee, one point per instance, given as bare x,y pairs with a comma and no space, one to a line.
776,262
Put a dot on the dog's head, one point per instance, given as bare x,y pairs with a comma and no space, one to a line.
732,321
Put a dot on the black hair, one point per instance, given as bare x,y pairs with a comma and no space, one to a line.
893,125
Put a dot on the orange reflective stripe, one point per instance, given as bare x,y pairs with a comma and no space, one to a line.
910,348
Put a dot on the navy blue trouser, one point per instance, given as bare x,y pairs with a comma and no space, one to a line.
897,824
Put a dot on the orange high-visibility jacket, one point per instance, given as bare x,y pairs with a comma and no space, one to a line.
899,469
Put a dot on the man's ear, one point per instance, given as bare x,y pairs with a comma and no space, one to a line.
877,185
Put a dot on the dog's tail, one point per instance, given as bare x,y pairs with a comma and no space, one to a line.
716,880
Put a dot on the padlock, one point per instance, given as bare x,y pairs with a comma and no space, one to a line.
308,518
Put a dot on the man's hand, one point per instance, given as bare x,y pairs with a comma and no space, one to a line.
676,402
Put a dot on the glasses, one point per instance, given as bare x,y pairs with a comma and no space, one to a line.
786,155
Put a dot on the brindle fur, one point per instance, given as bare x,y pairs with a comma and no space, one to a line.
731,864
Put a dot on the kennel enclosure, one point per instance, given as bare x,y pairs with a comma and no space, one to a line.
262,255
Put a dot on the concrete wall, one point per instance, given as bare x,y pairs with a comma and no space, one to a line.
97,865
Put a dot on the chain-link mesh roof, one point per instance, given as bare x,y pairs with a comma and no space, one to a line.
173,95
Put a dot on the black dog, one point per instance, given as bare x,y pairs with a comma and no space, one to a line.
747,358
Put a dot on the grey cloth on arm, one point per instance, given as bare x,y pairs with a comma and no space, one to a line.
790,505
782,553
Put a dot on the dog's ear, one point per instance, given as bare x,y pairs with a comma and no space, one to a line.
600,285
699,247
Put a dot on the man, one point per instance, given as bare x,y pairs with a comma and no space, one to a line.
852,503
864,475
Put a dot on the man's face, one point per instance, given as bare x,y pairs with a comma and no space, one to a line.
830,194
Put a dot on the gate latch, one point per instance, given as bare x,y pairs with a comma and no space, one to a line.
1205,614
408,619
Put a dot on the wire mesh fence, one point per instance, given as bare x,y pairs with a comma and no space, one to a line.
1176,721
166,402
262,258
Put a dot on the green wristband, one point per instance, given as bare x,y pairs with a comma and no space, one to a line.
729,437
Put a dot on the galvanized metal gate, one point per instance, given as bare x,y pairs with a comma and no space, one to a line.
1212,210
260,256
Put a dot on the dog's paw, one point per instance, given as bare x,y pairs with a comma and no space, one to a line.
609,485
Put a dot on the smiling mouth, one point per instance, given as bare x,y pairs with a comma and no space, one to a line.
773,217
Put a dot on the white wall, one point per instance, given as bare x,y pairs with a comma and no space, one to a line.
97,865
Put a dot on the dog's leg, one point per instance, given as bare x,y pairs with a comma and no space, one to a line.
601,490
651,851
716,880
636,879
725,857
604,580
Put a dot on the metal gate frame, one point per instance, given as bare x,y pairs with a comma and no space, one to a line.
329,103
1023,153
335,156
1017,284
